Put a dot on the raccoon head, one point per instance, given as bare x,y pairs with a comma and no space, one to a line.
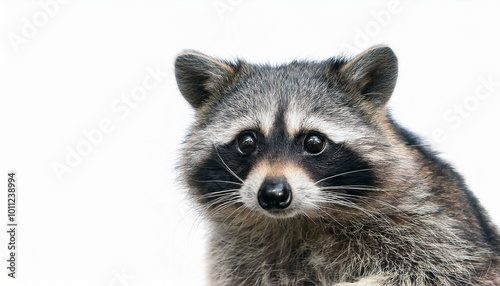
300,139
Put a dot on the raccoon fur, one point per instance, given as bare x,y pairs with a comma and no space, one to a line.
304,178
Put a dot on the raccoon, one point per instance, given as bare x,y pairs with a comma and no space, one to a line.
304,178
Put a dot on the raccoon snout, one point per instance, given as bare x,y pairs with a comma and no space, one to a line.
274,193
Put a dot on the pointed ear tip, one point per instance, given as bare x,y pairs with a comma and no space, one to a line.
185,54
379,47
382,49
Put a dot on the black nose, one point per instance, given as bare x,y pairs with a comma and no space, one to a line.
274,193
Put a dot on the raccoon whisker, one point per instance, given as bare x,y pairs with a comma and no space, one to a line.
217,202
305,215
196,225
231,215
209,196
240,208
330,216
226,166
244,219
353,187
222,193
342,201
350,205
223,206
219,192
334,209
341,174
198,218
309,217
373,212
362,198
217,181
228,198
214,194
337,199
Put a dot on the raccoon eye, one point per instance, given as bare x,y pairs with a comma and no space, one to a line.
246,143
314,144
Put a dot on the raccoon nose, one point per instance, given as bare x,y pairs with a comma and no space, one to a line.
275,193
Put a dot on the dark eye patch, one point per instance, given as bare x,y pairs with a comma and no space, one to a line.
340,170
218,176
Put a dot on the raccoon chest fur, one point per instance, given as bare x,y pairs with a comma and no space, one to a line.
285,255
328,253
304,178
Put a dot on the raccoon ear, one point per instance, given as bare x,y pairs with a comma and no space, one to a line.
200,77
371,76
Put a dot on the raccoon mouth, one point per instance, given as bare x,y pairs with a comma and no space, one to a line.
280,214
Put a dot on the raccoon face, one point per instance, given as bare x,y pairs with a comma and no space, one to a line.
305,138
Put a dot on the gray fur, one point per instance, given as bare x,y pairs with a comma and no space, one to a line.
419,225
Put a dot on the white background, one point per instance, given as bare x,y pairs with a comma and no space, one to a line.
118,217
